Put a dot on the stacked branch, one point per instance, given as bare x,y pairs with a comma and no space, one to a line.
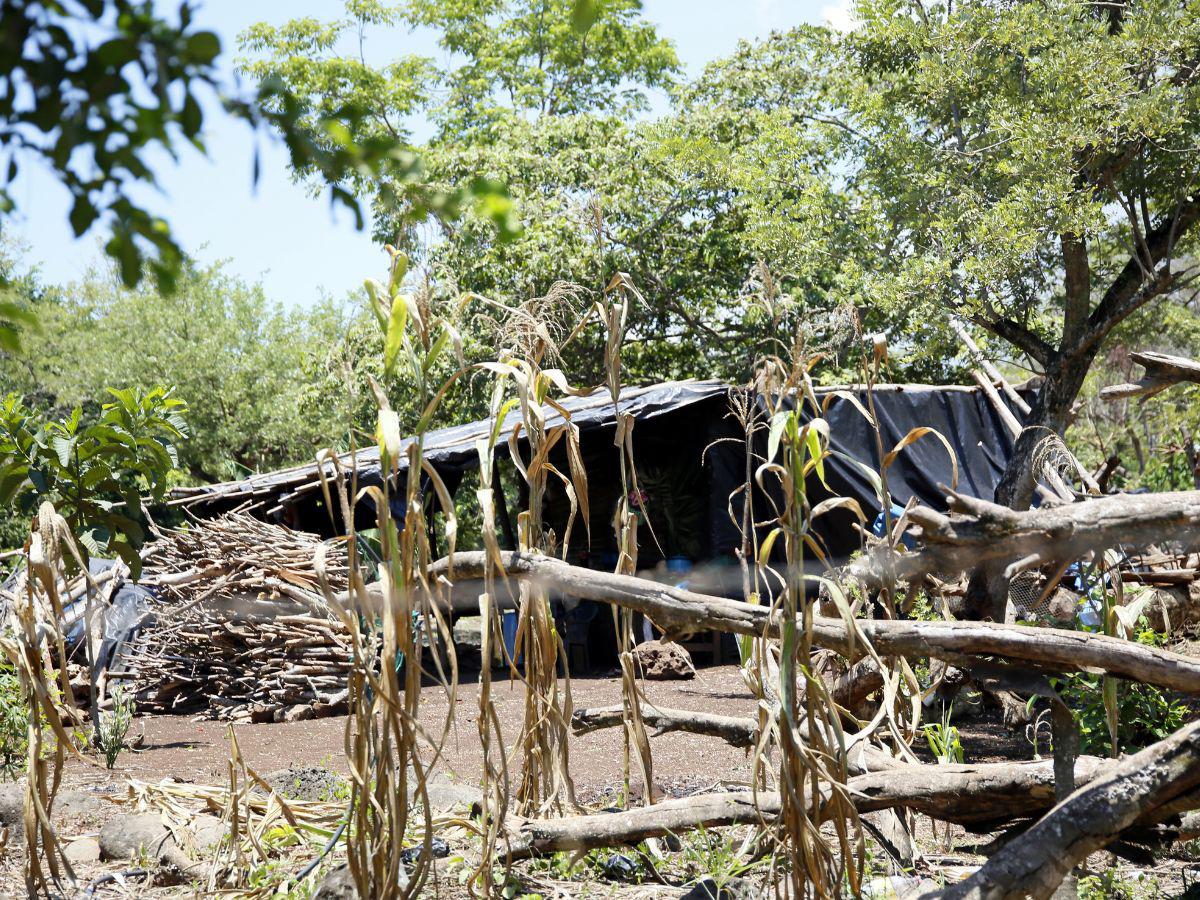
242,632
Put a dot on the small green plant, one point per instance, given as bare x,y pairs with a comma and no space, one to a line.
114,726
94,473
14,725
944,740
1114,884
1144,714
706,855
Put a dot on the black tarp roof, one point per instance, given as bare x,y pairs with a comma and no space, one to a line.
453,448
964,415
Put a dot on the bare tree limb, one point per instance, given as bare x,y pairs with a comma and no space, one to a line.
681,611
1162,371
978,531
735,730
971,795
1035,864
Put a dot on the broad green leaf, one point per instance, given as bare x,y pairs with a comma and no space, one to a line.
397,322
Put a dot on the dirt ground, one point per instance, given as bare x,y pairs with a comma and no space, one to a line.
198,751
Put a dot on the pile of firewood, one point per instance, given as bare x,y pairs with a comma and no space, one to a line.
242,631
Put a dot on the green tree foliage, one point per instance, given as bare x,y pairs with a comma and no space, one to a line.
92,89
89,89
1029,168
551,104
264,387
95,474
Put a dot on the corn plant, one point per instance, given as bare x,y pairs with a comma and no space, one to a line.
944,741
807,726
613,312
382,733
495,787
114,726
38,610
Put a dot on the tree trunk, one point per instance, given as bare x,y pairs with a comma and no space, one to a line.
1035,864
987,590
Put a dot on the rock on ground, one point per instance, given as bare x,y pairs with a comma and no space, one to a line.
82,850
447,795
730,889
307,783
664,661
339,885
73,806
132,836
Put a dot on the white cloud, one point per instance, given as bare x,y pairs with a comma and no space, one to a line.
840,15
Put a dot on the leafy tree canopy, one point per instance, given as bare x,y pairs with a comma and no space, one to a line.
1030,168
90,89
94,473
552,111
263,385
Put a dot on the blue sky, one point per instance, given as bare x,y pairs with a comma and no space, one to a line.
276,231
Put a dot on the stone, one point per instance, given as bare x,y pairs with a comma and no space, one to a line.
12,808
896,887
664,661
1172,609
141,835
203,833
468,632
730,889
339,885
82,850
1063,605
307,783
447,795
77,807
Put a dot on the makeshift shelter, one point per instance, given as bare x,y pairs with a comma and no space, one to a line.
691,459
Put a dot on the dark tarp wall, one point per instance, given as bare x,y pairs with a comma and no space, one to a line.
678,421
965,417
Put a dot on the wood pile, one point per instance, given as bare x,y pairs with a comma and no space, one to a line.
242,632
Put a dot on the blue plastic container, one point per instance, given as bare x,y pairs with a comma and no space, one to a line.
508,629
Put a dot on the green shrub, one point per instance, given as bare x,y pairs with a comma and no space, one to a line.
14,725
1146,714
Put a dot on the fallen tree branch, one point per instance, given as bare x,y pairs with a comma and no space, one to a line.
970,795
978,532
740,732
854,686
535,837
677,610
1034,864
1162,371
735,730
